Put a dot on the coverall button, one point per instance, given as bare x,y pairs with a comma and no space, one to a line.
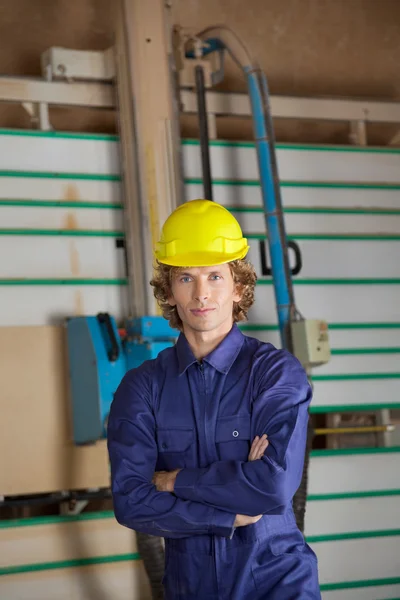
165,446
235,433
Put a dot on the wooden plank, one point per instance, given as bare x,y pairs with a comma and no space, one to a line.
65,541
118,581
36,420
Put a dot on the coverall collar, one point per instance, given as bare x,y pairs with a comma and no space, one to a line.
222,358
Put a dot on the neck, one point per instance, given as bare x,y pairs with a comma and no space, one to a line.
203,342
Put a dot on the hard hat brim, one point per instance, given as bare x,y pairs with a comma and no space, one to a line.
202,259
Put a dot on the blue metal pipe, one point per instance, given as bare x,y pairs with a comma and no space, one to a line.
269,179
272,209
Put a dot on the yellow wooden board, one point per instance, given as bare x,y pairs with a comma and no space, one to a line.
64,541
115,581
36,450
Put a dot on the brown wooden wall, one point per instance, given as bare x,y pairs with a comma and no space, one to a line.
307,47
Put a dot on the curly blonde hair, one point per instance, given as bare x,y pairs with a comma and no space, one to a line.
244,276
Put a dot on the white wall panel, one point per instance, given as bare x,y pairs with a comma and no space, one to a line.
337,259
324,517
344,338
50,305
371,558
360,363
60,257
354,473
250,195
27,217
334,303
59,154
253,222
240,162
359,392
71,190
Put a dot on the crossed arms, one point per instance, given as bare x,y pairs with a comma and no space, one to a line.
208,500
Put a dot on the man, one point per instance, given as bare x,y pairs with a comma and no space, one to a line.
180,428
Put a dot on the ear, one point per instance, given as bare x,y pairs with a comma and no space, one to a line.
171,300
237,293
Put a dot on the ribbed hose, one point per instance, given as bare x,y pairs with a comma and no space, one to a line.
151,550
265,143
300,497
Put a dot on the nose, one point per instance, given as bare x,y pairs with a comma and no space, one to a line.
201,290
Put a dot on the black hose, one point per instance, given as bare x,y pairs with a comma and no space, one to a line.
55,498
203,132
151,551
300,497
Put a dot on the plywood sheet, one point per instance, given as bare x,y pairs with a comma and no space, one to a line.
36,450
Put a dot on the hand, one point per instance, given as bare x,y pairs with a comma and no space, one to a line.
243,520
258,447
165,480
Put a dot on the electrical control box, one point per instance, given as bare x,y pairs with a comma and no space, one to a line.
88,65
311,342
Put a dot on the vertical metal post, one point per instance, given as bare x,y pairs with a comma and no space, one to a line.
148,130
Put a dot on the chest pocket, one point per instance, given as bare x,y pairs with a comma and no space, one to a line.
175,448
233,437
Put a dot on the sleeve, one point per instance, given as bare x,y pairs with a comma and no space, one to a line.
133,454
267,485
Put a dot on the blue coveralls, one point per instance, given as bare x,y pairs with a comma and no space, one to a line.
174,412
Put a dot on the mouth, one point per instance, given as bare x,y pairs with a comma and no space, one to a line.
201,312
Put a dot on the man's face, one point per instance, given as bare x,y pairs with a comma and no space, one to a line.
204,297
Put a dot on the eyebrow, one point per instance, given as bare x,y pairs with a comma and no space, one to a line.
187,274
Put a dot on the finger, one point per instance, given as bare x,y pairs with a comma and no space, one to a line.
261,447
255,442
263,444
260,444
253,449
258,447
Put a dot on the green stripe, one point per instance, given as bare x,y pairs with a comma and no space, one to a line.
62,232
269,327
355,376
66,281
53,175
190,142
318,210
344,585
262,281
67,564
340,351
334,351
352,495
347,451
61,135
345,237
354,408
381,325
315,147
52,519
352,535
103,515
336,281
60,204
351,185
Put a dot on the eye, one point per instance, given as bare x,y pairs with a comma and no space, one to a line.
215,277
185,279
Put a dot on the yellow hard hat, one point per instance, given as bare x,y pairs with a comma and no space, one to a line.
200,233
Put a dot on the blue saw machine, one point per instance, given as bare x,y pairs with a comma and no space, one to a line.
99,355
